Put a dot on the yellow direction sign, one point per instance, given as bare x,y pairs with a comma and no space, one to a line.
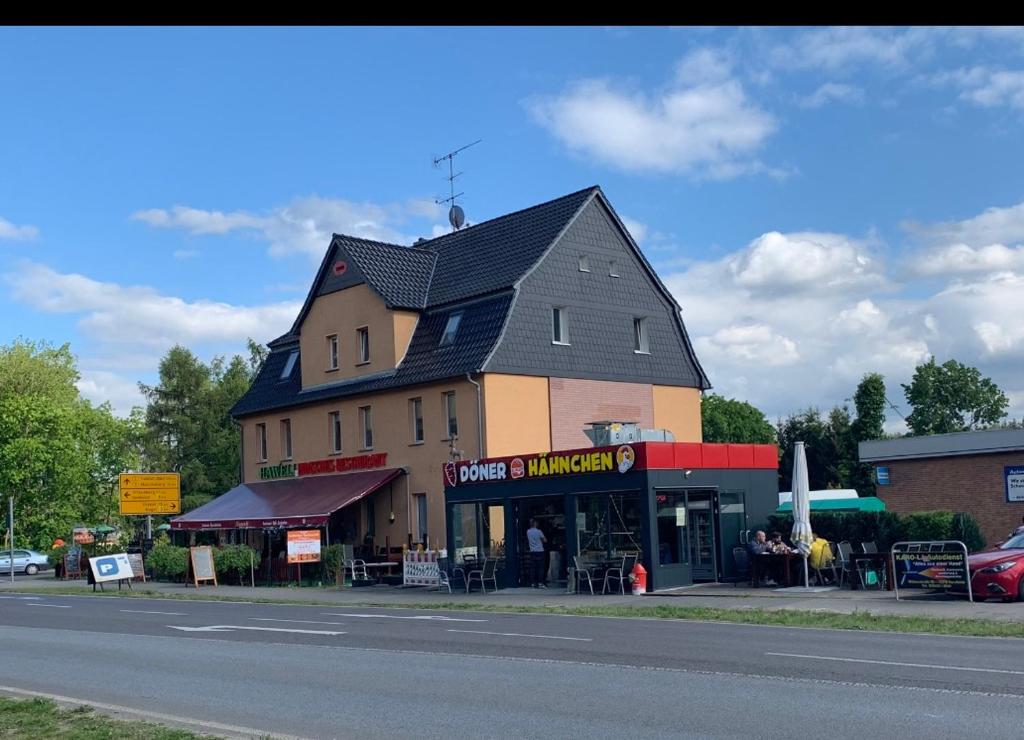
150,493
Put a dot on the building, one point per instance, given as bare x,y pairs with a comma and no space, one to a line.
979,473
505,337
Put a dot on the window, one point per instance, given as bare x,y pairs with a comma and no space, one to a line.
584,263
335,424
450,419
366,422
416,419
364,344
450,329
420,509
559,326
641,345
261,442
613,268
371,517
286,439
332,352
289,364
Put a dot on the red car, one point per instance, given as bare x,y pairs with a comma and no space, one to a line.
999,572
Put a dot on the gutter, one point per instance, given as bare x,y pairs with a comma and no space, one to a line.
479,418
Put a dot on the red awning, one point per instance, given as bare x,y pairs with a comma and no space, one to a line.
294,502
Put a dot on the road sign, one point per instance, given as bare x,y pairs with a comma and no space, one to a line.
150,493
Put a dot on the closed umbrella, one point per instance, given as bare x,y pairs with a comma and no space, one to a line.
801,534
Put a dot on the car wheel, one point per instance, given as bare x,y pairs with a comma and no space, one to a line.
31,569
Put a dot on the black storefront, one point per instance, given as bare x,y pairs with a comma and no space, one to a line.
682,506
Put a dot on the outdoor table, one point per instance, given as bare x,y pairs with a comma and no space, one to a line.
386,566
767,563
871,557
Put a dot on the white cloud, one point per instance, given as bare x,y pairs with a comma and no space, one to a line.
844,49
962,259
986,87
304,226
14,232
139,315
702,123
100,386
636,229
993,226
832,91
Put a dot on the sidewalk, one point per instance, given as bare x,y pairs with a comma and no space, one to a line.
717,595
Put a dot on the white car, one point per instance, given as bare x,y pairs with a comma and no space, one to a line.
29,562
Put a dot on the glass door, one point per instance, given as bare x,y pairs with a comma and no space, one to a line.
732,530
702,536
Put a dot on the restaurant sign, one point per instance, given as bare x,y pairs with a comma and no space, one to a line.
330,465
542,465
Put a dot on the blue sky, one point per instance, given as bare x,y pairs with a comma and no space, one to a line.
822,202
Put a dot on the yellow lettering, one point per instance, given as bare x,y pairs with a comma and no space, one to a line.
574,463
585,461
606,461
533,466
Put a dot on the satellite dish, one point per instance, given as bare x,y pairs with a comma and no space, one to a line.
456,216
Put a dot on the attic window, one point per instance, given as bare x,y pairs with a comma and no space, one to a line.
451,329
289,364
613,269
584,263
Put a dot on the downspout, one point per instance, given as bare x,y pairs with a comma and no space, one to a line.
479,418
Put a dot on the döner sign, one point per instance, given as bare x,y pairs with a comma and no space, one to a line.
543,465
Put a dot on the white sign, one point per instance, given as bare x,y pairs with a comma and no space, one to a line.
304,546
111,567
1014,483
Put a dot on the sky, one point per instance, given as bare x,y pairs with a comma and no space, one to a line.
823,203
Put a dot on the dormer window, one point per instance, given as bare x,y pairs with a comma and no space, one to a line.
289,364
451,329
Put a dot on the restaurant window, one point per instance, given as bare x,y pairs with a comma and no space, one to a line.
672,531
451,420
609,525
451,328
332,352
416,419
289,364
364,344
464,531
261,442
420,509
335,430
286,439
559,325
641,344
366,424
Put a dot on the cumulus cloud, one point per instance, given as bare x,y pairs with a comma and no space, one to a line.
832,92
17,233
700,123
986,87
101,386
962,259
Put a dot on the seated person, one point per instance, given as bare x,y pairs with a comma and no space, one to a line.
820,556
777,546
755,549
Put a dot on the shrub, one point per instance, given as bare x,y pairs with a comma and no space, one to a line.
235,560
331,557
168,563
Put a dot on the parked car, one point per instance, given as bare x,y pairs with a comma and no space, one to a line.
29,562
999,572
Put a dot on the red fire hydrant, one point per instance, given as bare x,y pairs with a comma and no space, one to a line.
639,578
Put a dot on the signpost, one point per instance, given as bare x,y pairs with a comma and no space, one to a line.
303,547
143,494
201,568
931,565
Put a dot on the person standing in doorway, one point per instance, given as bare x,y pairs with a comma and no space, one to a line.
536,539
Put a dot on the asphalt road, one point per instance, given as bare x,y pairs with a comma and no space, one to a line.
328,672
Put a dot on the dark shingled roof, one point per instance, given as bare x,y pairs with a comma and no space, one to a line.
400,275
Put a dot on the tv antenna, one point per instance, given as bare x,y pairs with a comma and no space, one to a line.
456,216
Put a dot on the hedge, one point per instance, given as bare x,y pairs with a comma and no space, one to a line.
885,527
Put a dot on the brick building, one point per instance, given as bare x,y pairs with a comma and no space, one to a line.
979,473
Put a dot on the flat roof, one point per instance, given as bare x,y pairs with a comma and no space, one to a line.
985,442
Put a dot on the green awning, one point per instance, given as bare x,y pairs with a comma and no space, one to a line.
864,503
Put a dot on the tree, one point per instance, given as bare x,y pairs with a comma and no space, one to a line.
869,400
952,397
729,420
827,442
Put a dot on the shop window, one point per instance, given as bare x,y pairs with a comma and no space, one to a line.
332,352
286,439
261,442
641,344
464,531
416,419
608,525
451,328
366,424
451,419
559,325
334,419
364,344
672,528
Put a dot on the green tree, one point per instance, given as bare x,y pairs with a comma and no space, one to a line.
952,397
869,400
729,420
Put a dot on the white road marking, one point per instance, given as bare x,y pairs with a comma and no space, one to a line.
894,662
230,627
517,634
22,598
428,617
294,621
167,718
143,611
52,606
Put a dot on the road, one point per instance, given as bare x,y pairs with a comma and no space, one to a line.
340,672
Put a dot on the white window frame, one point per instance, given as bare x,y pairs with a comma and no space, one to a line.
420,500
366,426
334,427
560,318
416,415
261,442
332,352
286,439
363,340
450,409
584,263
613,269
641,337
